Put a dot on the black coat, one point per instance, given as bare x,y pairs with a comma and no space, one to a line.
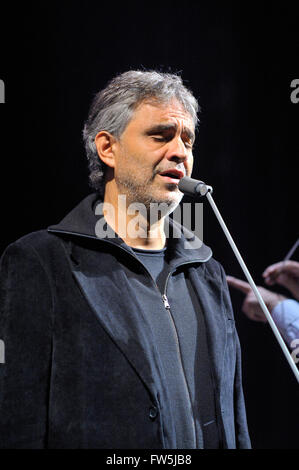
81,369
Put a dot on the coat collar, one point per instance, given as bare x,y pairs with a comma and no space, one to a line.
81,222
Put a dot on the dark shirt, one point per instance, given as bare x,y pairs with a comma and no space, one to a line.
182,343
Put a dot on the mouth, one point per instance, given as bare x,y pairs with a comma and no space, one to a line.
172,176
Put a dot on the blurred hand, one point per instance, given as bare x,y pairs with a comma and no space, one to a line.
285,273
251,306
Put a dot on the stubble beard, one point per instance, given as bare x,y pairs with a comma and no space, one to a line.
142,192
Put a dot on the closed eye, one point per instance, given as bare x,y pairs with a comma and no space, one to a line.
160,138
187,143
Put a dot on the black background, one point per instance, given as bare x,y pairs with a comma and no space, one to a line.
239,60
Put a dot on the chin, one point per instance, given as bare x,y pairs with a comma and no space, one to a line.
171,198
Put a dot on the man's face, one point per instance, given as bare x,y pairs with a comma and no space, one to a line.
153,153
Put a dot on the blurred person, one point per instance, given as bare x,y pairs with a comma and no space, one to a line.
284,310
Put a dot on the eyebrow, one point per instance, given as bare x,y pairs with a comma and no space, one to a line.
160,128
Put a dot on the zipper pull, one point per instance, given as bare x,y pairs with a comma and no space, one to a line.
165,301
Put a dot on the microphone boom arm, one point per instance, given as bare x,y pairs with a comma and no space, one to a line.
204,190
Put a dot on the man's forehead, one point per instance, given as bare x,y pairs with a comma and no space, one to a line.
163,113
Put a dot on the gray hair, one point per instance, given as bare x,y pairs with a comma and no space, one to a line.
113,107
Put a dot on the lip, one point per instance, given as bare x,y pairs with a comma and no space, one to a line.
177,175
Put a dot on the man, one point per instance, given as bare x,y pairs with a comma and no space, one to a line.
116,335
284,310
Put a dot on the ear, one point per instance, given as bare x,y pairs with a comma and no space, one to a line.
105,143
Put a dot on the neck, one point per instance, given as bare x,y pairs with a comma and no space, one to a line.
133,222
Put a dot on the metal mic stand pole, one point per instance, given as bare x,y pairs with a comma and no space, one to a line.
280,340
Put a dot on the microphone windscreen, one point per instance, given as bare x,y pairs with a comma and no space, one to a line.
190,186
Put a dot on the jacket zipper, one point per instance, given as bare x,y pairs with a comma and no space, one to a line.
165,301
168,309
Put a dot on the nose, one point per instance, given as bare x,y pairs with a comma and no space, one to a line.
178,152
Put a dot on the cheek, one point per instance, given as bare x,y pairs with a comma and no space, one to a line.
138,157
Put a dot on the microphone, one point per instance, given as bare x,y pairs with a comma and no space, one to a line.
193,188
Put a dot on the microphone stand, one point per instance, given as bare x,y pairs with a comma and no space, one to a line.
204,190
